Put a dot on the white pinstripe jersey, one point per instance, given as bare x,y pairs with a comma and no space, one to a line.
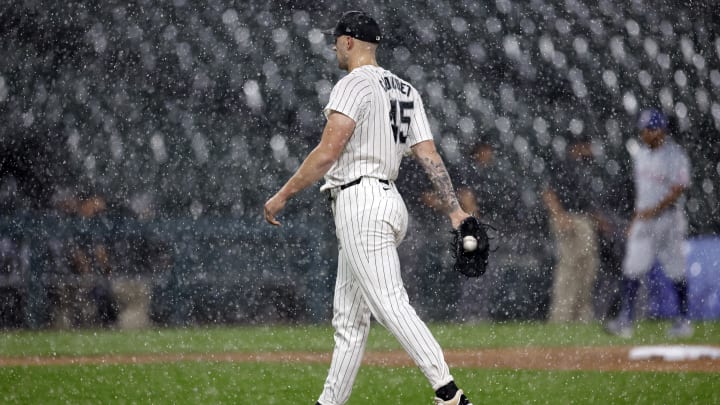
389,118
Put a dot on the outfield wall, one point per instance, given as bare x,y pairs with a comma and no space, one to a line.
241,271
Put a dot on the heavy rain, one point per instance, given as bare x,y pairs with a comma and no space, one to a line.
140,140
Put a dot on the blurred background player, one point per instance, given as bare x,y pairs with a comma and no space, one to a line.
569,202
659,226
576,262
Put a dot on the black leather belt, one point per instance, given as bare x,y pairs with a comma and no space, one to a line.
358,180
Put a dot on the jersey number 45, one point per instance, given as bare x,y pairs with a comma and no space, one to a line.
400,112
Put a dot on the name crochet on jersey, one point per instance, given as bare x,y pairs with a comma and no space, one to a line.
393,83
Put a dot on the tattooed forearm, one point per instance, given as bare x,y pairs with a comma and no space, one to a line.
441,182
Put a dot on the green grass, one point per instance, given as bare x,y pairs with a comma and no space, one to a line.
226,383
319,338
191,340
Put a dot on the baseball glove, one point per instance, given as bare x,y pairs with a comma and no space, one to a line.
471,247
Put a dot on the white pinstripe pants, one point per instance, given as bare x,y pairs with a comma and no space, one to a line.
370,221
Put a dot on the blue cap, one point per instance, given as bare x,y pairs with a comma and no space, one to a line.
652,119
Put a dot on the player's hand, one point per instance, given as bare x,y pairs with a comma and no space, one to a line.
563,221
272,207
457,216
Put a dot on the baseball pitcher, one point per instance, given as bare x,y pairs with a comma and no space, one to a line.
373,119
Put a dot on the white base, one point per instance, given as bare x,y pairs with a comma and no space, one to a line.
674,353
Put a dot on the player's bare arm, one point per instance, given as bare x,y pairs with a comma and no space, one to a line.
335,136
431,161
675,192
558,215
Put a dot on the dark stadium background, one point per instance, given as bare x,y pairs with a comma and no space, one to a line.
184,116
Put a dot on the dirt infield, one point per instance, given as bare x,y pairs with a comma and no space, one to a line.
613,358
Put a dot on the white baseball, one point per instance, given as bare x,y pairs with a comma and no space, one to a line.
469,243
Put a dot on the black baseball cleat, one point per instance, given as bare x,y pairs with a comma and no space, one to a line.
458,399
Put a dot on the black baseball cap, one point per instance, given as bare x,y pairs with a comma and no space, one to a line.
358,25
